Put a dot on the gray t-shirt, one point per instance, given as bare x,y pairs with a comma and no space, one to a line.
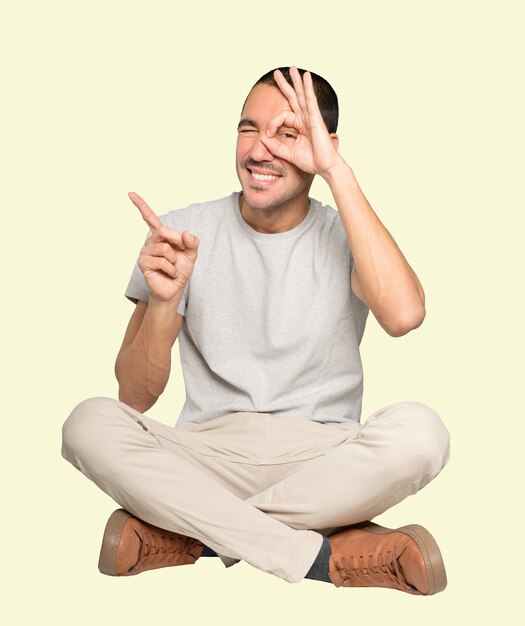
271,324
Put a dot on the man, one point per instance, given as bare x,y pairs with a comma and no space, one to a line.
268,292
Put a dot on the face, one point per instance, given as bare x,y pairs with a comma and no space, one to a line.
267,182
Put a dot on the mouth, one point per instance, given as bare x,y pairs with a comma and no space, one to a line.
259,176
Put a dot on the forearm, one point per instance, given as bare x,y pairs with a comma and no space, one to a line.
143,367
389,285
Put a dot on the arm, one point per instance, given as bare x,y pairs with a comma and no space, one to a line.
143,363
382,278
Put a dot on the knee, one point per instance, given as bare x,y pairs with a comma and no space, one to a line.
82,431
426,436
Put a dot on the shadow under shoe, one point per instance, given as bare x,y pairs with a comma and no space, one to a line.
369,555
131,546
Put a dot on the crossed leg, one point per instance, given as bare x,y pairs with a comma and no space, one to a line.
152,471
399,450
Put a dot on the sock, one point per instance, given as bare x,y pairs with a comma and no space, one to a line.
208,551
319,569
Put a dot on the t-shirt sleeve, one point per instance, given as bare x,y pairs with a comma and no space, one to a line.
137,288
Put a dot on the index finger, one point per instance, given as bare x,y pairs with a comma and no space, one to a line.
147,213
284,118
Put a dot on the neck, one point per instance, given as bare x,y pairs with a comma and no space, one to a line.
274,219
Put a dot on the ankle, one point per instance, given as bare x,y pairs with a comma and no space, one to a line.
206,551
320,567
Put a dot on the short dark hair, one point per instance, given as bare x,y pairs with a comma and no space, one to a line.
326,96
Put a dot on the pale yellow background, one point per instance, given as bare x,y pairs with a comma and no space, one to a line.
100,98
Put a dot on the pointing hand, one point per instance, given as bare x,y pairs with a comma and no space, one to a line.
168,257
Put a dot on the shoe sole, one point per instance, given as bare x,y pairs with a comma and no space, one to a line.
437,576
111,542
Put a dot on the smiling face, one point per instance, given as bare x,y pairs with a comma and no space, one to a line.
267,182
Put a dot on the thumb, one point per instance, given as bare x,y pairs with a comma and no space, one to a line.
189,240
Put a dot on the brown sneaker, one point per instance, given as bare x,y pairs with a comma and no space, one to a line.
131,546
369,555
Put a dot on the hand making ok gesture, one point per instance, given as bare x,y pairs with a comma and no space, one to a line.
168,256
315,149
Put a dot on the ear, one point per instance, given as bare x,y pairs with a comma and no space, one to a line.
335,139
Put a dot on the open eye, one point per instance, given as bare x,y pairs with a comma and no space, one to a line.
287,134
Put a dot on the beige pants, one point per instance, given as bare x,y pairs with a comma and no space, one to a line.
253,486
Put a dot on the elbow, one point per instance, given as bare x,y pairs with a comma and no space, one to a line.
403,324
139,403
140,397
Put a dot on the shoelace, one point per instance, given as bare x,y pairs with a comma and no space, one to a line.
382,568
157,548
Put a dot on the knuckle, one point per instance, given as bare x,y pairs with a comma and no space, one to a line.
163,231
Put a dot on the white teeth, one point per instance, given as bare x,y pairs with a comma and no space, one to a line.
264,177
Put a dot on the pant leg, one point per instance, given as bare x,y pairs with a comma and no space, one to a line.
399,450
344,473
154,472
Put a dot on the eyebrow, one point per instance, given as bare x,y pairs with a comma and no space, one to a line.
246,121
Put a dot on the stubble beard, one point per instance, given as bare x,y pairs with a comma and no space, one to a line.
260,202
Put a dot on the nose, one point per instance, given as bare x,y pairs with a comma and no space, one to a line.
260,152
